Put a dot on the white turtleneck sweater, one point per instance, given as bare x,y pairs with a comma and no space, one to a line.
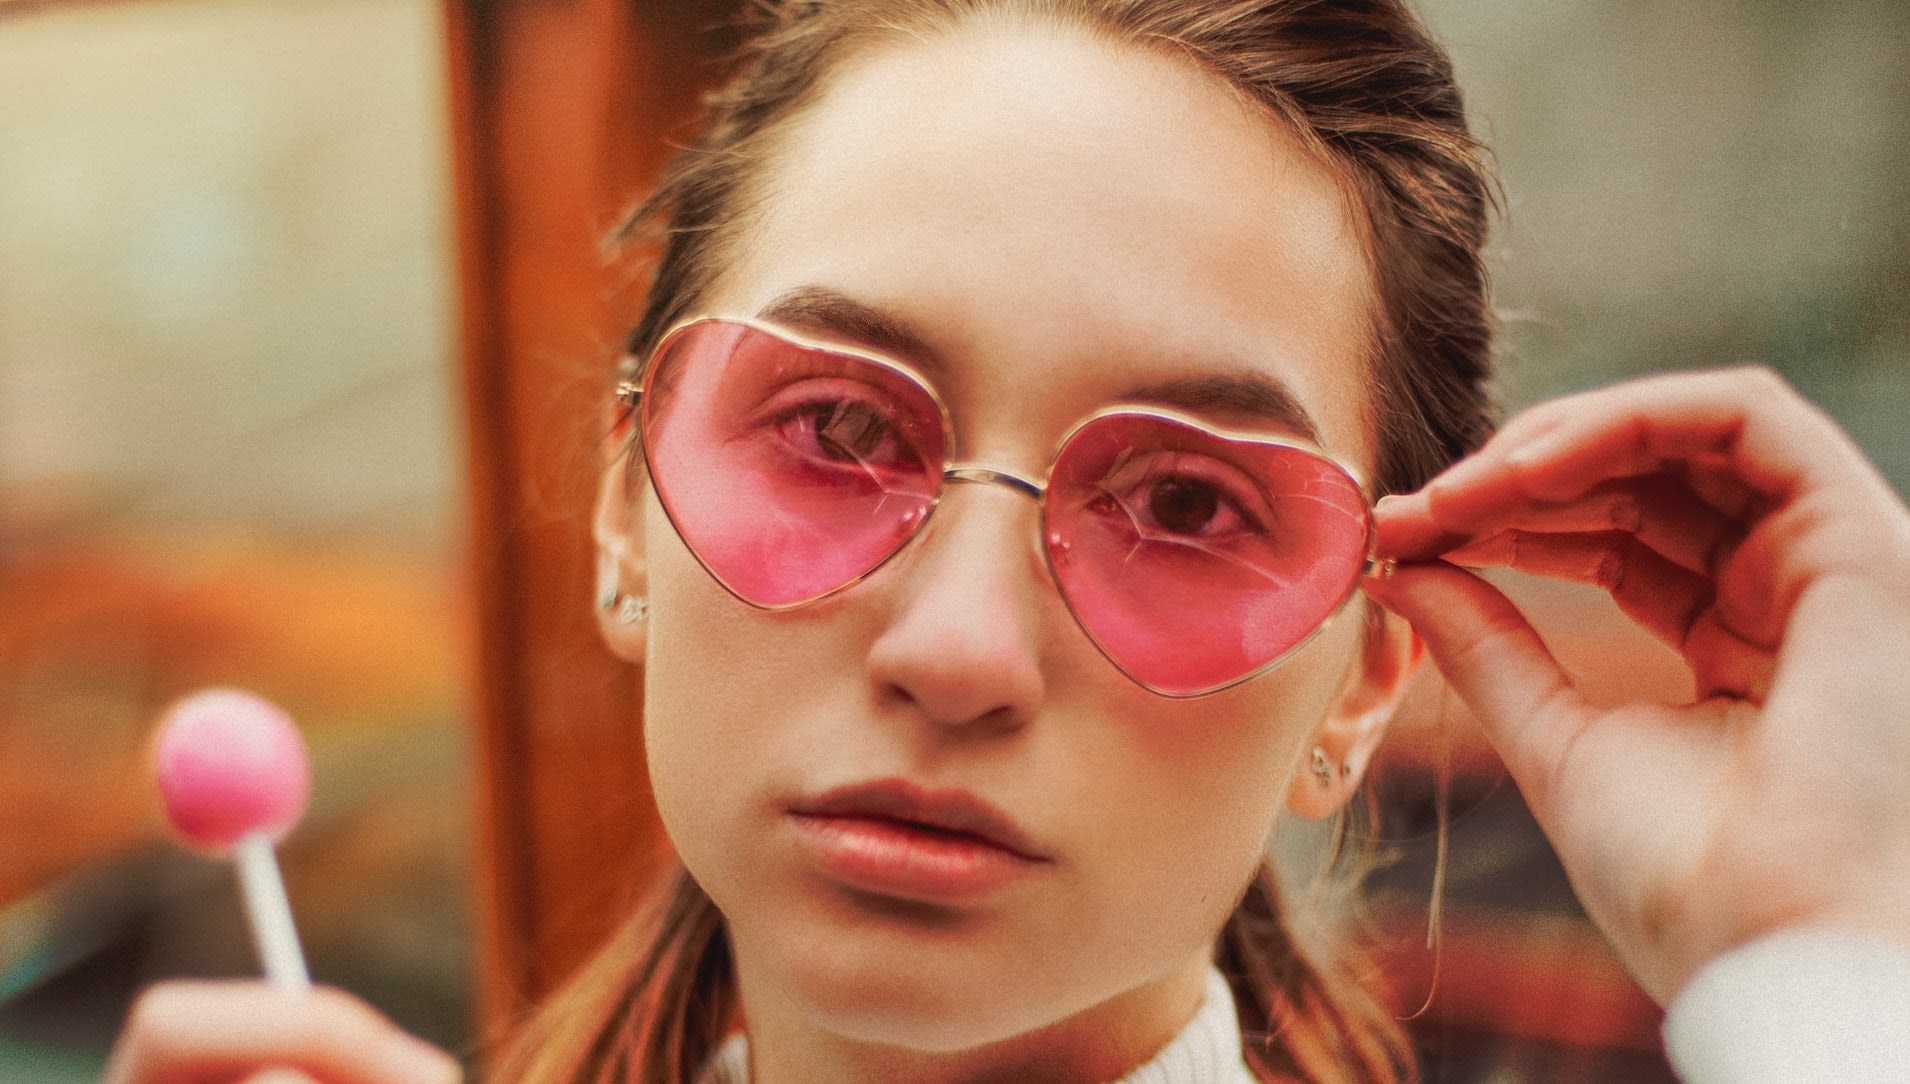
1786,1009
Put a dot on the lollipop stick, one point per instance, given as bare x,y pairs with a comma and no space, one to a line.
270,913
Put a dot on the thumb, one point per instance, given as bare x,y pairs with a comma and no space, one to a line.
1495,661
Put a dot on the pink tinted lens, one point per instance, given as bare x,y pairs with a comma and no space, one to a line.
789,471
1192,559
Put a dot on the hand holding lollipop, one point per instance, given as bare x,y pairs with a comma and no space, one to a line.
235,778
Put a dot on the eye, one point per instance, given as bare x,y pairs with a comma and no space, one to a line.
836,427
1183,505
1183,496
853,431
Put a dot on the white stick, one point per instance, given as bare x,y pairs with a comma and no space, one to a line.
270,914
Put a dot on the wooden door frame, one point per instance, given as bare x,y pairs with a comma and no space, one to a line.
560,110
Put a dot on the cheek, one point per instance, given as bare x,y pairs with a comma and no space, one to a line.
729,697
696,697
1233,753
1188,792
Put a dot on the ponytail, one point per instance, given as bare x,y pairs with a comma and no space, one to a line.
652,1006
1299,1018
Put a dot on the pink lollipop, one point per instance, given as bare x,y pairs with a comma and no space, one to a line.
234,776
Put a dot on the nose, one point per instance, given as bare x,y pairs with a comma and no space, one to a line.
962,644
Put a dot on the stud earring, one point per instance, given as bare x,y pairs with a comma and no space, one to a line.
1322,767
630,609
633,610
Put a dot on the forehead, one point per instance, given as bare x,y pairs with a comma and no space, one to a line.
1066,217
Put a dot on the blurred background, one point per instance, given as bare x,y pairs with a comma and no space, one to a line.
228,454
231,451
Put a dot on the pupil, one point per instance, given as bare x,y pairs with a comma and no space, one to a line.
1179,504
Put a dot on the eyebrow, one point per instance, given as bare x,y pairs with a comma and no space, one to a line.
1250,394
820,310
1247,392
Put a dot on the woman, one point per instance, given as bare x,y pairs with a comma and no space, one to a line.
995,539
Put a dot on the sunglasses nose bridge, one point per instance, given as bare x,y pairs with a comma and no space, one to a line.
988,476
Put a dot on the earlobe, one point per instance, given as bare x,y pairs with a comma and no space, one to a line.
621,599
1334,762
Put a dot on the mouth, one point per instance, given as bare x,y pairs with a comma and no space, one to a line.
896,838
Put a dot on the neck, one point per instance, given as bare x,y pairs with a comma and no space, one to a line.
790,1045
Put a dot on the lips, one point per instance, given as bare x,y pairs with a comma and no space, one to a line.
896,838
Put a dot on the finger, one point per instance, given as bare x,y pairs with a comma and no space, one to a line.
1405,530
1819,535
1712,481
1749,421
1742,441
1670,518
1725,664
223,1030
1663,597
1497,664
1673,603
1662,513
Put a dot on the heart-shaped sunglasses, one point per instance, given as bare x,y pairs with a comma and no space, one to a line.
1194,557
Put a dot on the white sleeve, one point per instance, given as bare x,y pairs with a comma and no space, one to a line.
1795,1006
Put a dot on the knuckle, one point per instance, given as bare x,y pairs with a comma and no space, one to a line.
1609,572
1626,513
1535,420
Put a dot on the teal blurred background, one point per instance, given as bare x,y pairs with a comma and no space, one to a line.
229,447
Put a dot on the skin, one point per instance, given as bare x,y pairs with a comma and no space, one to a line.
957,665
207,1032
1720,510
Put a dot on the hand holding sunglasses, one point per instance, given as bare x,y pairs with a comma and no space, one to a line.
1732,519
1193,556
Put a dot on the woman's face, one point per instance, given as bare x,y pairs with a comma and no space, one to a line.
1042,222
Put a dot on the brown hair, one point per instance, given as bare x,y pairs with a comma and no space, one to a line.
1372,95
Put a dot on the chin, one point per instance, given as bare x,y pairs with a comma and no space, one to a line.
933,992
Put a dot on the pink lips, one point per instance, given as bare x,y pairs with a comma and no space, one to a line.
894,838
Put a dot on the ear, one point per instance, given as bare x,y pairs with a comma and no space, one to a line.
622,574
1344,742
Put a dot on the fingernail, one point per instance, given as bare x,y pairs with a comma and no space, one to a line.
418,1062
